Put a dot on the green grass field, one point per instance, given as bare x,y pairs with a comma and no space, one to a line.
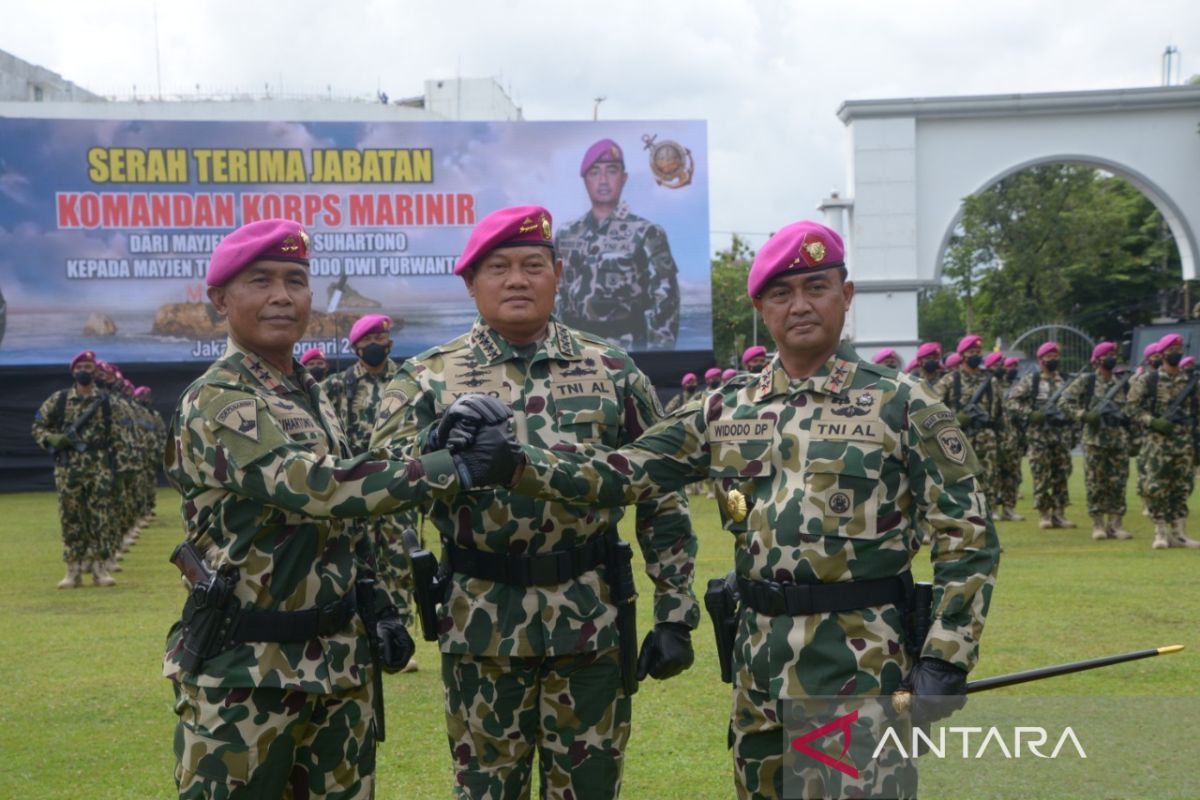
85,713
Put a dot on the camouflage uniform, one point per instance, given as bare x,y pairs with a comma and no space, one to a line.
1010,450
356,396
836,469
619,280
268,484
1049,443
528,666
1167,459
1105,447
955,390
682,399
83,480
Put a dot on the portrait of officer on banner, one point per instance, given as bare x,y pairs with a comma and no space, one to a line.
619,278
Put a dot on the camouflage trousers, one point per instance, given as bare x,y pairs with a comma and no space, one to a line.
984,443
393,565
1050,463
245,744
1009,452
85,492
766,763
1169,476
1106,472
571,708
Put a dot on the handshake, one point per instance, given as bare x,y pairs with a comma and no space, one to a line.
476,431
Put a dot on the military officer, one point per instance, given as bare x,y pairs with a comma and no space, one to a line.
270,661
528,635
1096,400
728,375
619,277
1165,402
754,358
968,391
313,360
1033,401
689,383
1009,443
929,356
712,378
836,459
887,357
76,426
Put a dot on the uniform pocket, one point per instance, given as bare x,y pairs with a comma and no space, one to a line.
842,493
213,756
746,459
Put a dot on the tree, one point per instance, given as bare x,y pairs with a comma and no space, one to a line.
732,312
940,316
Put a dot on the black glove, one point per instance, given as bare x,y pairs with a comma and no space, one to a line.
469,412
666,651
939,689
491,458
395,645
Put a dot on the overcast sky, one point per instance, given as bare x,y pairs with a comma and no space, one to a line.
767,76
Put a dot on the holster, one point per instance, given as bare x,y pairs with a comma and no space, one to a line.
918,617
721,602
364,590
624,596
208,619
430,585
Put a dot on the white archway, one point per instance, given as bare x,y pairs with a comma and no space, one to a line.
914,160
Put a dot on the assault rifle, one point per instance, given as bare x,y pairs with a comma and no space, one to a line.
979,417
1054,414
1175,411
72,431
1111,415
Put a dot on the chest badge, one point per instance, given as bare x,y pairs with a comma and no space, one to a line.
735,506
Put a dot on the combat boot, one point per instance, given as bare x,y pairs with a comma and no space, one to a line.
411,666
100,576
1045,520
1179,537
1012,516
1061,521
1116,527
1161,540
113,565
73,578
1099,529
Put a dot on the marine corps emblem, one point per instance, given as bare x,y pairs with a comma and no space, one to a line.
954,447
547,234
839,503
671,162
816,251
306,243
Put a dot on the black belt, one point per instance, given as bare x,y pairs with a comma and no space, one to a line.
539,569
295,626
796,599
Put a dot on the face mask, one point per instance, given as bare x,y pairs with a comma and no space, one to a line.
318,373
1052,365
1108,363
930,366
1155,363
974,361
1174,358
714,384
374,354
1011,374
83,378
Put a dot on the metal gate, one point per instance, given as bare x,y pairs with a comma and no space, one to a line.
1074,345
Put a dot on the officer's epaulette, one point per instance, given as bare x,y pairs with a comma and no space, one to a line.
878,369
457,343
599,341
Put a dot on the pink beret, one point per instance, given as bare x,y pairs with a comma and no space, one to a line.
929,349
1011,362
993,358
371,323
1048,347
1168,340
886,352
689,377
603,150
953,360
311,354
729,373
141,391
753,352
508,227
1187,361
803,245
1102,349
712,372
967,342
265,240
86,355
104,366
128,384
1151,349
912,366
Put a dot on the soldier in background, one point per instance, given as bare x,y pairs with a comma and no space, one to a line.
1033,402
689,392
1096,400
619,277
836,459
887,357
1010,444
728,375
754,358
929,357
275,665
76,426
1165,402
144,395
528,629
314,361
1151,361
969,393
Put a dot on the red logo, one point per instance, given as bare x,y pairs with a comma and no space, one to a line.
842,723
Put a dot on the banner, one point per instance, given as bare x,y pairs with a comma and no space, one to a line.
106,227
